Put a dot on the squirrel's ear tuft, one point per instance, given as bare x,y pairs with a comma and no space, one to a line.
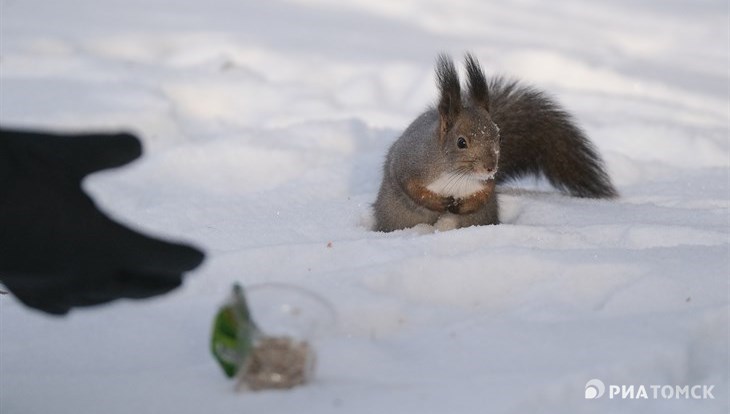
477,82
450,101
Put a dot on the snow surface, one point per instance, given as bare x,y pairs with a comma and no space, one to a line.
265,126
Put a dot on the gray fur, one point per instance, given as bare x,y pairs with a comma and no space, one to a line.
539,137
520,130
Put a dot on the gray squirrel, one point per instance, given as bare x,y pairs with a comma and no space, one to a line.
444,167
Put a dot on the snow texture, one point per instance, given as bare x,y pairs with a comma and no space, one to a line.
265,126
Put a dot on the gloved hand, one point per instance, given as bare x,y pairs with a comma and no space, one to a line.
57,250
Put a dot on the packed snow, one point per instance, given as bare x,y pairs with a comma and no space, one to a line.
265,126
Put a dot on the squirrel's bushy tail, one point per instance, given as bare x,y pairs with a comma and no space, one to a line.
539,137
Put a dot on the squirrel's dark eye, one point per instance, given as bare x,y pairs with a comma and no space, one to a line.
461,142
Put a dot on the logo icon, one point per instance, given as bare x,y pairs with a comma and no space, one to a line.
594,389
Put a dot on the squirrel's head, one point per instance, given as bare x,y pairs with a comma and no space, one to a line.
468,136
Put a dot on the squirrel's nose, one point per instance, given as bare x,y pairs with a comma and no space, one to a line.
489,167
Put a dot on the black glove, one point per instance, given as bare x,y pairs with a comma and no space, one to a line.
57,250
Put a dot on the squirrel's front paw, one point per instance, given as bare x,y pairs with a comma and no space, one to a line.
451,204
474,202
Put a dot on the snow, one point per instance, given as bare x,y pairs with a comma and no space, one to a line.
265,126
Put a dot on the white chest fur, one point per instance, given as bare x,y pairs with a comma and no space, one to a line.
458,185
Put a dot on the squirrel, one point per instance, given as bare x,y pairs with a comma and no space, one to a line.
444,167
